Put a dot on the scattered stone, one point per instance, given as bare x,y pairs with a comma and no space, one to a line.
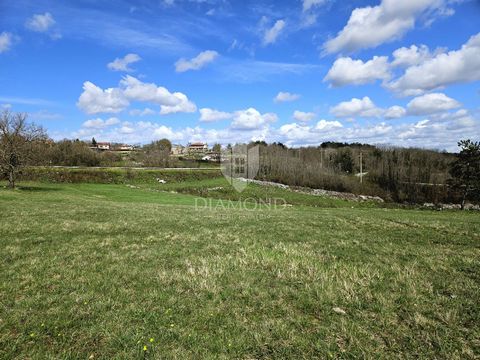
339,311
318,192
268,183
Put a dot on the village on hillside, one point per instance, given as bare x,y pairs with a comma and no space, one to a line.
194,150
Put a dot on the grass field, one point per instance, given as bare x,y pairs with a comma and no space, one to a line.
98,271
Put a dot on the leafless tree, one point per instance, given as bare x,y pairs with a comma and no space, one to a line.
17,139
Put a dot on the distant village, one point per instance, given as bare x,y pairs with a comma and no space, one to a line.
198,150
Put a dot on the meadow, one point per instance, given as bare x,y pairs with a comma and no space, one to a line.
136,270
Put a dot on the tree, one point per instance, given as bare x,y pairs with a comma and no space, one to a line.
94,142
164,144
157,153
465,170
217,148
17,138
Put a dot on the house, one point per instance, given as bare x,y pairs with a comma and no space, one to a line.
124,147
177,150
197,148
212,156
103,146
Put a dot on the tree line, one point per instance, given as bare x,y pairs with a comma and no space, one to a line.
396,174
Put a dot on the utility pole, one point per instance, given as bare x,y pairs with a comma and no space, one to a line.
361,168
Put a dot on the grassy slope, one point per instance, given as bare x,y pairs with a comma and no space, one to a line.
100,269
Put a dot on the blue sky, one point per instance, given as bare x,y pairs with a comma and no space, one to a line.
300,72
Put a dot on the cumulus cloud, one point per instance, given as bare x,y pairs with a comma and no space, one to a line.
40,22
211,115
356,107
113,100
395,112
170,103
442,128
431,104
251,118
99,123
135,89
183,105
6,40
196,63
295,134
144,112
414,55
328,125
121,64
457,66
285,97
346,71
370,26
95,100
303,116
271,34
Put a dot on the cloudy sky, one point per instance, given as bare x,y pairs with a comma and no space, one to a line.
298,71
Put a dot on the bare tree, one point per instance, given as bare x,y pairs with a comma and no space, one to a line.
17,138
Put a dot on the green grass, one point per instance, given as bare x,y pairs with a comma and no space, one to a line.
96,271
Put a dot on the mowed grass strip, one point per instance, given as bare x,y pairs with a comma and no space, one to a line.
107,271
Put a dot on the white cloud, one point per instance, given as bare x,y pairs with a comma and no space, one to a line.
126,129
346,71
211,115
285,96
308,4
370,26
197,62
395,112
328,125
99,123
251,118
121,64
438,131
414,55
164,132
297,134
94,100
456,66
135,89
6,40
40,22
356,107
431,103
270,35
183,105
144,112
170,103
303,116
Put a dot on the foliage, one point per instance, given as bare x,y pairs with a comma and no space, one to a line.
465,170
18,139
157,153
411,175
